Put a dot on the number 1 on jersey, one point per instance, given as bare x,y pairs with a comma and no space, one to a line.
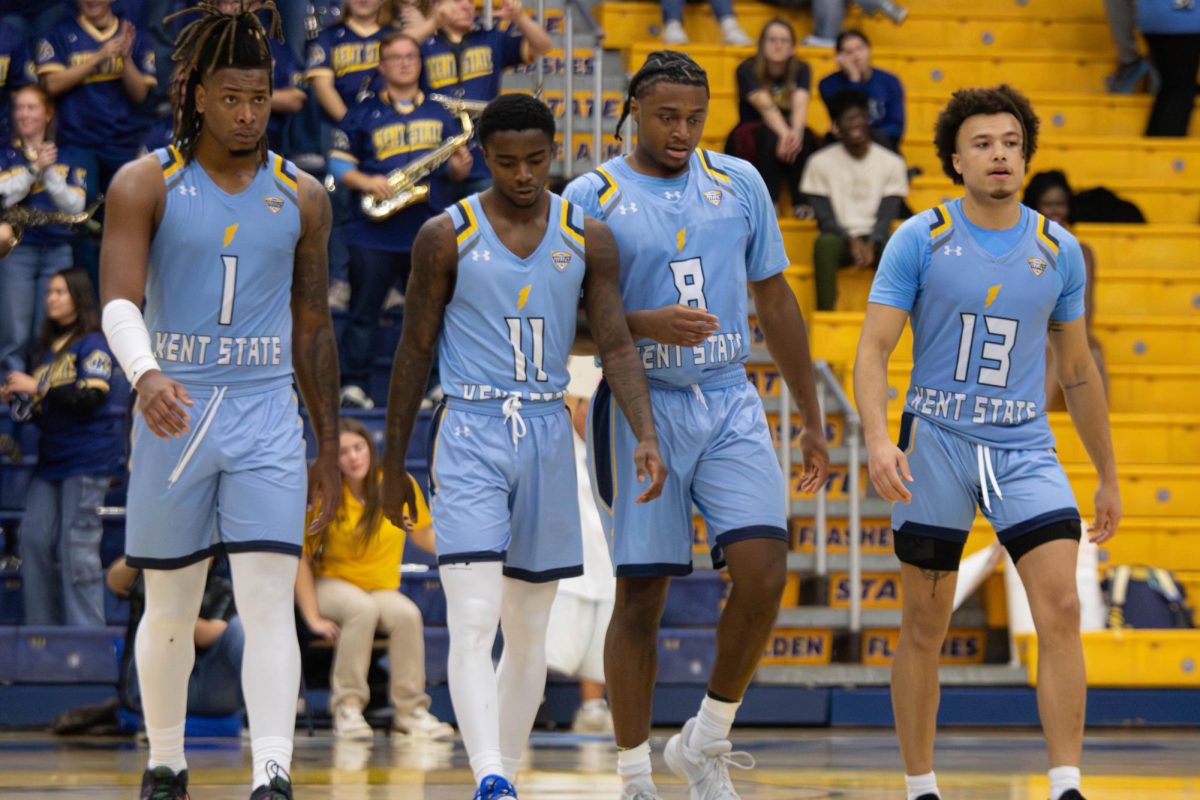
227,289
537,327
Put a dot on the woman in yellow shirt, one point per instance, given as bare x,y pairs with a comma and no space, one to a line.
347,588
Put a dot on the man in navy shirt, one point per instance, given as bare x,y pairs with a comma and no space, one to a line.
464,60
386,132
883,89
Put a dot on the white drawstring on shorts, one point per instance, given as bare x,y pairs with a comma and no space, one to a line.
696,390
513,418
198,434
983,455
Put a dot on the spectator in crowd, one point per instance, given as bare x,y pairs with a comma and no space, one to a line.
1049,194
772,131
731,30
583,605
347,588
1131,67
343,61
79,400
8,241
215,686
32,174
392,129
464,60
100,69
1172,31
828,16
856,187
15,70
287,98
885,93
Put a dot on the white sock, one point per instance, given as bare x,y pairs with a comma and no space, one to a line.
263,587
511,765
633,765
713,723
165,650
1062,780
919,785
473,595
521,677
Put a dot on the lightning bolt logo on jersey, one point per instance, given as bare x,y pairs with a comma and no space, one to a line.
218,291
509,327
694,240
979,320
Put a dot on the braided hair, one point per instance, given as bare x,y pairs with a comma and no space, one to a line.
216,40
662,66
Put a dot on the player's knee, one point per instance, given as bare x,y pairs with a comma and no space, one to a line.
923,632
1060,618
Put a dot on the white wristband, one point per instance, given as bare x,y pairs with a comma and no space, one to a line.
125,329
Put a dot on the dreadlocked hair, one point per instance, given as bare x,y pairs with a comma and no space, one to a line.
213,41
662,66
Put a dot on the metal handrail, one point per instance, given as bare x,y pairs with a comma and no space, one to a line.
569,84
853,436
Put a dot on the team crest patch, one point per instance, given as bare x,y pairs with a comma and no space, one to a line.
561,259
1037,266
713,196
98,363
274,203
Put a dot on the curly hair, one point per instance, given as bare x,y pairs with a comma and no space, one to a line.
217,40
515,112
662,66
966,103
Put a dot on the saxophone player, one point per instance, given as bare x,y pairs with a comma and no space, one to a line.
382,134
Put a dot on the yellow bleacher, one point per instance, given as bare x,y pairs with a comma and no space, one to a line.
1147,291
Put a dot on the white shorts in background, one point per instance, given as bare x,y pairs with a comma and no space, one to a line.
575,636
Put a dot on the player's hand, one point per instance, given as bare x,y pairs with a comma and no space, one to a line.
378,187
508,11
888,468
649,465
679,325
816,458
398,501
161,403
1108,512
324,488
323,628
47,156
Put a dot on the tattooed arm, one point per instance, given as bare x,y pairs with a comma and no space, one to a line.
314,348
1084,392
430,287
622,368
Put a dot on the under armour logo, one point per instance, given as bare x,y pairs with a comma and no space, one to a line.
186,190
631,208
948,250
676,195
462,430
481,255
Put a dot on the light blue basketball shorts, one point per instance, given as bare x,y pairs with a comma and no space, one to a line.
719,457
504,488
1019,491
236,482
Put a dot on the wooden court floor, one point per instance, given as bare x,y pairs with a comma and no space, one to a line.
792,765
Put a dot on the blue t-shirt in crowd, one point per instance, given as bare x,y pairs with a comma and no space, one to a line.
288,74
885,95
80,444
13,158
1168,16
350,55
98,113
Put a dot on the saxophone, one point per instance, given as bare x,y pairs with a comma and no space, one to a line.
22,217
406,189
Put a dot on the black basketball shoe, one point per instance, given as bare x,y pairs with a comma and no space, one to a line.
279,787
161,783
929,797
1072,794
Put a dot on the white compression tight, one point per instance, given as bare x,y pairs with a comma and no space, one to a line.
165,650
495,711
263,586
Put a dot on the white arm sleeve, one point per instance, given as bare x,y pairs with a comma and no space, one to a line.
125,329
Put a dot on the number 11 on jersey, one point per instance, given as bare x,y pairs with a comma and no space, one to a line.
537,329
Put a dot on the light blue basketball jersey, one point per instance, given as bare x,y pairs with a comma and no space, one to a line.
218,291
509,327
694,240
980,303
